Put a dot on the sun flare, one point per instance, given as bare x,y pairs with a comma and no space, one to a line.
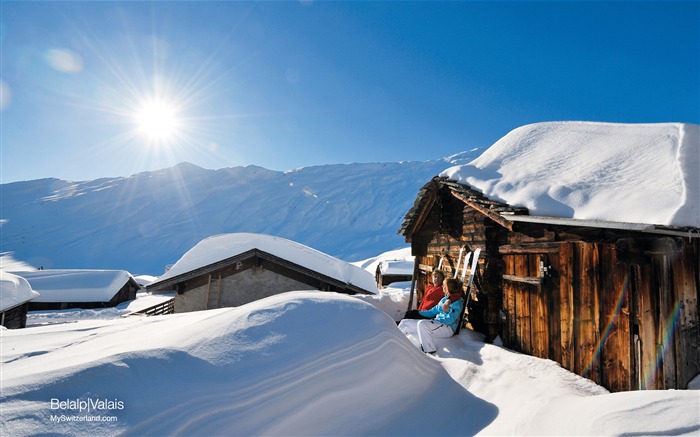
157,120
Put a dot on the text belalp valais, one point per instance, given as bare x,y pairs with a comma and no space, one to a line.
87,405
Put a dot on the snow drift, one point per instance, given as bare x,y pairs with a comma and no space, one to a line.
304,363
636,173
310,363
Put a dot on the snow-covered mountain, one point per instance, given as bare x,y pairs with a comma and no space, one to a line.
146,221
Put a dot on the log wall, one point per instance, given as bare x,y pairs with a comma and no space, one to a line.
15,318
624,322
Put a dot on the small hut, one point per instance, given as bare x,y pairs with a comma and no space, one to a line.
392,271
66,289
590,247
15,295
233,269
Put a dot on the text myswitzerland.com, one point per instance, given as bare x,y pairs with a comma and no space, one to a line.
83,418
85,410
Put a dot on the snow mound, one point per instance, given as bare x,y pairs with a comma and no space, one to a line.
14,290
223,246
635,173
259,369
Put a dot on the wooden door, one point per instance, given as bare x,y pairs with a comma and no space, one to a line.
529,299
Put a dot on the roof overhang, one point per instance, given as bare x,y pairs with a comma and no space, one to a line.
625,226
428,195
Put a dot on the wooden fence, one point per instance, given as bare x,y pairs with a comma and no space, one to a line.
166,307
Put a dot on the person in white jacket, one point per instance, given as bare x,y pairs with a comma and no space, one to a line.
444,317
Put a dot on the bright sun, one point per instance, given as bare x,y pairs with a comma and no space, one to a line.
157,120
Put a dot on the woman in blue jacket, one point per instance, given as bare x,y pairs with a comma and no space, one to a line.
444,317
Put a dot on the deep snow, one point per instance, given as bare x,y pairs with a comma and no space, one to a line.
304,363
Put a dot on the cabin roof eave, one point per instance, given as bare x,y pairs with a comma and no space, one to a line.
689,232
427,195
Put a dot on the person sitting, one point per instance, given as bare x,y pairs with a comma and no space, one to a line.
433,293
444,318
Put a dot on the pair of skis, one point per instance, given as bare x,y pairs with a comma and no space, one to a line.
472,271
474,258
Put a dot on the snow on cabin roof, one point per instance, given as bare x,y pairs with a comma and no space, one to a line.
221,247
14,290
396,267
633,173
76,285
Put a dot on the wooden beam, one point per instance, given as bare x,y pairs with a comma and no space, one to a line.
487,212
525,248
523,279
426,268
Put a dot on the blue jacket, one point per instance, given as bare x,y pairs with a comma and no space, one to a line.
450,318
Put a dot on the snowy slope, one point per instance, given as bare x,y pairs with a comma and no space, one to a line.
263,369
144,222
635,173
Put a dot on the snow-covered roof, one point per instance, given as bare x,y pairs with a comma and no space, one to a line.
76,285
633,173
396,267
221,247
144,280
14,290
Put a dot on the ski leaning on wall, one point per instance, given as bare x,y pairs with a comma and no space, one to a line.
472,272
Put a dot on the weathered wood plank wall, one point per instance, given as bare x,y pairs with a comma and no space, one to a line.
625,325
687,280
16,317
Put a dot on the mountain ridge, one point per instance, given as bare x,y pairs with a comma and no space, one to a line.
145,221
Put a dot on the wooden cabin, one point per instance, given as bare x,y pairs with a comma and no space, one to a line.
242,268
614,302
74,288
388,272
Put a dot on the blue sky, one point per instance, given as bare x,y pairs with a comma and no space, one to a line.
291,84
